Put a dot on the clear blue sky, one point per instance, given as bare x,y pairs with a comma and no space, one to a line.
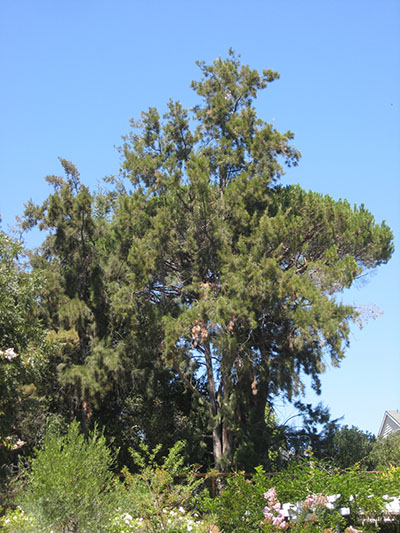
74,72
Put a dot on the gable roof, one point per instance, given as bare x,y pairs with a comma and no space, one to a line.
390,424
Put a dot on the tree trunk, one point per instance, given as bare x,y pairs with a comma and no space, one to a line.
214,409
222,446
217,447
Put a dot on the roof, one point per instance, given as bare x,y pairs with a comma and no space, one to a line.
390,423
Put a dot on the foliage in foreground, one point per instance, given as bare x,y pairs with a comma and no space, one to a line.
69,483
162,495
308,496
69,486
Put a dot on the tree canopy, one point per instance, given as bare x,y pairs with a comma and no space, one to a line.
199,285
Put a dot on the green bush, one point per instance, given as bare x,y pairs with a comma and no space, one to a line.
309,496
386,452
239,506
68,485
157,499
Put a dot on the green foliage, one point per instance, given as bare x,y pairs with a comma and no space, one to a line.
69,483
386,452
239,506
21,354
18,293
208,277
321,498
157,496
349,446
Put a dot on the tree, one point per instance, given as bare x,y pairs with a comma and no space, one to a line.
21,347
348,446
103,363
386,452
240,272
200,273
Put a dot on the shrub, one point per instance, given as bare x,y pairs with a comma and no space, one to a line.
68,485
156,499
308,496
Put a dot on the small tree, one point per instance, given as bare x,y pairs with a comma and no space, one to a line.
156,496
386,452
69,482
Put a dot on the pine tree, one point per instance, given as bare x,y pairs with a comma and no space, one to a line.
240,273
103,362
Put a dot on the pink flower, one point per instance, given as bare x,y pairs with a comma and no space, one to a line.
320,500
315,500
270,495
308,502
277,520
268,515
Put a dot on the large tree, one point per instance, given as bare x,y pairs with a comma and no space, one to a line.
242,271
103,363
200,285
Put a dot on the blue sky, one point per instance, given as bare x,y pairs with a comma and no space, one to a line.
73,74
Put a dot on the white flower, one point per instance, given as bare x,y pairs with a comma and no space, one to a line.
289,510
18,444
393,506
9,354
181,509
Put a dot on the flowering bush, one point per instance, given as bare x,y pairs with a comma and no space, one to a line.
308,496
273,511
174,521
154,500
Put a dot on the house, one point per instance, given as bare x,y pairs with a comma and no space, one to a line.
390,424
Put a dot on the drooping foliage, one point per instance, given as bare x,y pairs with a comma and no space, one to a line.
184,301
103,361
